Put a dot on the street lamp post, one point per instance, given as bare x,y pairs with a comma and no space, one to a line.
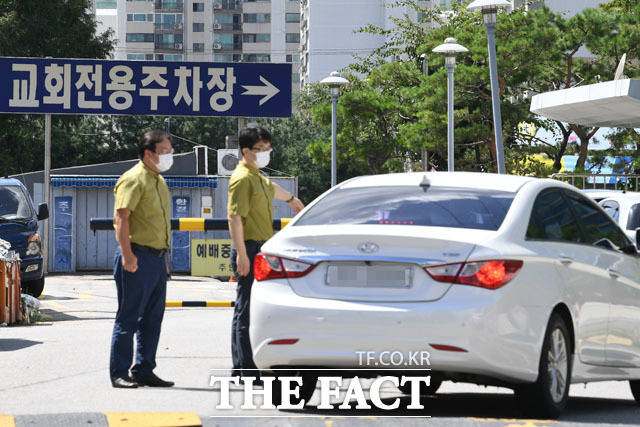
450,49
489,10
334,81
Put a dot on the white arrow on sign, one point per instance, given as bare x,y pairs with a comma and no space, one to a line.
268,90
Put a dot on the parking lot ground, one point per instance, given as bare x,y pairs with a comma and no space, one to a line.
55,373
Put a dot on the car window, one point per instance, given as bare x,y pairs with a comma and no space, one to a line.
14,203
552,219
612,208
633,220
597,226
411,205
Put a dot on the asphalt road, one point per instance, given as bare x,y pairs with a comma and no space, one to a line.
55,372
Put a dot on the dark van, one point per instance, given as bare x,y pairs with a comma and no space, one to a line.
19,226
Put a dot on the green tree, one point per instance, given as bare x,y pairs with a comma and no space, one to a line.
34,28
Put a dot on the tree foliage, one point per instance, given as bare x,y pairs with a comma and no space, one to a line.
35,28
391,111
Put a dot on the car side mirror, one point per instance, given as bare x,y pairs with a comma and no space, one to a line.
43,211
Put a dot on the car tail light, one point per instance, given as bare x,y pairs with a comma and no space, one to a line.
485,274
267,267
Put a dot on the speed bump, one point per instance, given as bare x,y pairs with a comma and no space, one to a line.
153,419
7,421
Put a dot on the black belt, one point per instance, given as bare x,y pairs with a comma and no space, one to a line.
156,252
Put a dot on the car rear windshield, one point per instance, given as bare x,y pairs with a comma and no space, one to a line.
410,205
14,204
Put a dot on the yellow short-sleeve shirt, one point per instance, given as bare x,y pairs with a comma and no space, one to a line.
146,194
251,197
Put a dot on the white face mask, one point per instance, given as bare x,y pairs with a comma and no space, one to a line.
262,159
165,161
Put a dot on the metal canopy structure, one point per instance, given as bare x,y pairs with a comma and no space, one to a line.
614,103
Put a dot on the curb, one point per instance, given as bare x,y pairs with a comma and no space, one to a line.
197,304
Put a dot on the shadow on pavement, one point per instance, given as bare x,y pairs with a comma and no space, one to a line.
57,316
491,406
13,344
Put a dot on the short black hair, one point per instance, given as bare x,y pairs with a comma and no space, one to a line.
149,141
251,136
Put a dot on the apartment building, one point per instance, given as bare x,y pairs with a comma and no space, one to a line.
205,30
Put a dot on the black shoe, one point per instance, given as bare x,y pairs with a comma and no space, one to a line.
124,382
152,381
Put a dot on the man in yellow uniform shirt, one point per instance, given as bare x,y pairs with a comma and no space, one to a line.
142,220
250,215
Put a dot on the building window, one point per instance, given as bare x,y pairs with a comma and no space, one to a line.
423,17
169,41
168,21
140,17
256,57
198,27
198,47
293,58
258,1
256,38
136,56
227,57
113,4
140,38
198,7
295,77
292,37
253,18
292,17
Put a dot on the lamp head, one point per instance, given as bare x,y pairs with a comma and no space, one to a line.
489,9
334,80
450,49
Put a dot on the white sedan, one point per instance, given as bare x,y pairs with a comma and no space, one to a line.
503,280
624,208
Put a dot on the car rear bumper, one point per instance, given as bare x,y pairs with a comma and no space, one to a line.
500,337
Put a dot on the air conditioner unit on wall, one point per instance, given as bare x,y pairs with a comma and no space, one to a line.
227,161
178,45
217,5
217,26
177,26
217,46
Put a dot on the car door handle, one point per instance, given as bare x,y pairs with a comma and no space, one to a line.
613,273
565,260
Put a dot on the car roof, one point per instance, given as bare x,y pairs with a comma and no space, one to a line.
9,181
480,180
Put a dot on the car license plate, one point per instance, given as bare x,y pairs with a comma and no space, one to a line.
371,275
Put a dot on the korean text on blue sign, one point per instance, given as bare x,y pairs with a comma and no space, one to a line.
80,86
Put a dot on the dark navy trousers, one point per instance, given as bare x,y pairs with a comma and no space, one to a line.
141,302
241,353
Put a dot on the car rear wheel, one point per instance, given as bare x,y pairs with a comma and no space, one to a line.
549,395
425,390
33,287
635,389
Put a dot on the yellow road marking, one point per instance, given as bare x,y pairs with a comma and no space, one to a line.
526,423
7,421
56,305
152,419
